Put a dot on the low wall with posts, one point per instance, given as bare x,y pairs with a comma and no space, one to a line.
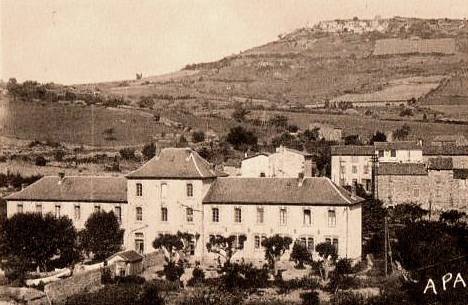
59,291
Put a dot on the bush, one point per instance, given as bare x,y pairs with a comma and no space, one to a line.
165,285
406,112
130,279
127,153
40,161
300,255
209,296
149,151
150,295
310,298
306,282
198,136
198,277
243,276
173,271
59,154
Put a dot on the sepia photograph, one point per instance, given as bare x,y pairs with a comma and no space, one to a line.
233,152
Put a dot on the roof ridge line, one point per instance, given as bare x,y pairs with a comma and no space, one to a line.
195,163
339,192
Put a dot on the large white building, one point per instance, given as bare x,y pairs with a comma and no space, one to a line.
180,191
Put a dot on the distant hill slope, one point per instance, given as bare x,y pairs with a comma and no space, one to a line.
311,65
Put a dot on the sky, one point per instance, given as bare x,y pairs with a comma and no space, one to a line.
80,41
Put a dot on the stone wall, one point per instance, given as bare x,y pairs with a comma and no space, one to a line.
59,291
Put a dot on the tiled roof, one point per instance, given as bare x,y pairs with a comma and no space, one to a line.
400,145
440,163
445,150
353,150
401,169
176,163
75,188
129,256
287,191
460,173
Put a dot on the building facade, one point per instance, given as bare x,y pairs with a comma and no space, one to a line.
179,191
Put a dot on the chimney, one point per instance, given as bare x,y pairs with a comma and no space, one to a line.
310,168
300,179
353,189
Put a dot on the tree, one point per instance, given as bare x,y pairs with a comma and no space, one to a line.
300,255
406,213
240,113
198,136
275,246
401,133
102,235
328,255
127,153
172,246
452,216
31,241
225,247
149,151
373,231
352,140
40,161
378,137
239,137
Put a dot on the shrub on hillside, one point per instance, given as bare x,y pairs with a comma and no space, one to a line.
127,153
40,161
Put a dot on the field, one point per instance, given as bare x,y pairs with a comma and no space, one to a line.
77,124
365,126
410,46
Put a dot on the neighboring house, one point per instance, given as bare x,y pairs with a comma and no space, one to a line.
450,140
459,154
126,263
311,210
352,164
435,185
285,162
404,151
74,196
177,190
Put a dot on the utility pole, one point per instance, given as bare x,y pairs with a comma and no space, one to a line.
385,247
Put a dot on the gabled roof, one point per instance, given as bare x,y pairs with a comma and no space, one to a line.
278,191
445,150
400,145
353,150
440,163
130,256
401,169
75,188
175,163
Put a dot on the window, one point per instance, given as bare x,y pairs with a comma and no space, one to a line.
354,168
307,217
139,243
308,242
191,246
416,192
343,169
139,189
163,214
381,153
366,169
393,153
39,208
77,212
139,213
189,190
118,213
19,208
97,209
260,215
57,210
237,215
189,214
335,244
283,216
262,174
215,214
331,218
237,242
163,191
257,242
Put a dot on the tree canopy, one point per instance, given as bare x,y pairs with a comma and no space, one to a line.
102,235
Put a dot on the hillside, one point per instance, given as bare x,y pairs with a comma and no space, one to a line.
311,65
